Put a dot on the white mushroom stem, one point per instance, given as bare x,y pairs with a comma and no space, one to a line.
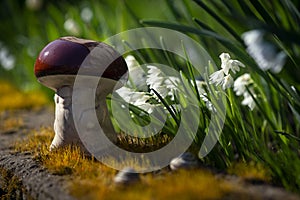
65,130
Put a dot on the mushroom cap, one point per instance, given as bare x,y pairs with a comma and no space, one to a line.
63,59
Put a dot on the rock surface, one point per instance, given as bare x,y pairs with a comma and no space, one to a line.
36,182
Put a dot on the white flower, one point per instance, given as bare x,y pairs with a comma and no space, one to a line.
239,87
34,4
225,57
138,99
264,53
200,86
222,76
172,84
240,84
131,62
248,100
251,37
86,14
217,77
7,61
235,65
228,64
227,83
164,85
72,27
208,103
137,76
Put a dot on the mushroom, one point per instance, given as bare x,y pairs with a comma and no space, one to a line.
57,66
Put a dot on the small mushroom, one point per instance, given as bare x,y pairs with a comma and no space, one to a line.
186,160
126,176
57,66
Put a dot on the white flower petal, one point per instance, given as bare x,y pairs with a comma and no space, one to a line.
235,65
279,62
86,14
228,81
252,36
224,57
131,62
248,101
164,85
138,99
264,53
72,27
137,76
217,77
240,83
208,103
200,86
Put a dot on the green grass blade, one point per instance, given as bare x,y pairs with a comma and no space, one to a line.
185,29
219,19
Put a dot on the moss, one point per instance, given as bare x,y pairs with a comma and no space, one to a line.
37,142
90,179
11,98
196,184
251,171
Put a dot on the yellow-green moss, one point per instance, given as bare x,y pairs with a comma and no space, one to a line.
11,98
197,184
250,171
91,179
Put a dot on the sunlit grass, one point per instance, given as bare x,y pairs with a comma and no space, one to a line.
90,179
198,184
250,171
12,98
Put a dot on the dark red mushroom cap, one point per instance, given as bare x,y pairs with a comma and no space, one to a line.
64,58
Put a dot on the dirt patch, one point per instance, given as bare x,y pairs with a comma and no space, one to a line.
34,119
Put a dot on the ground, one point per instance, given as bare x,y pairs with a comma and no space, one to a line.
32,180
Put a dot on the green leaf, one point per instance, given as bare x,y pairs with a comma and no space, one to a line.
185,29
219,19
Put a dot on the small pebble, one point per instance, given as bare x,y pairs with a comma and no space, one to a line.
186,160
126,176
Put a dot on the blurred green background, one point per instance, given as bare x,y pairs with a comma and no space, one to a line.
28,25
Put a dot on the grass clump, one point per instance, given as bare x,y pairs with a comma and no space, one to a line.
64,161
